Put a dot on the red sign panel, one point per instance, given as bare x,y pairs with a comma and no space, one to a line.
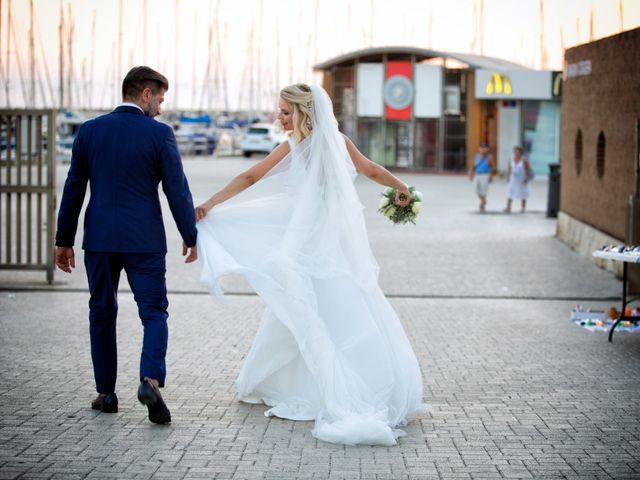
398,91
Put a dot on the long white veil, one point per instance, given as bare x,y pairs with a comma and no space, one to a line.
317,210
329,347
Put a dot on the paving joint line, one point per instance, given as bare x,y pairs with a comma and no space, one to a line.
16,289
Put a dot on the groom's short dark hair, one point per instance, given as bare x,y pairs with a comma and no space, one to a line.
140,78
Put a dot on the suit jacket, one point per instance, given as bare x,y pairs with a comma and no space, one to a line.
124,155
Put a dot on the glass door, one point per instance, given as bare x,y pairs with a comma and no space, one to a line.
397,145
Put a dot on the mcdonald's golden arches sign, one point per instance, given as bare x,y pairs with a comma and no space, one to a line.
499,83
514,84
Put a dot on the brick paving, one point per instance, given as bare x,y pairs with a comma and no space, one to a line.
517,390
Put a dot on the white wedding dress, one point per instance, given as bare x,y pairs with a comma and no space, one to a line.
330,347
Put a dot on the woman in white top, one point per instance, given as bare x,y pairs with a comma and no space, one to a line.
330,347
519,173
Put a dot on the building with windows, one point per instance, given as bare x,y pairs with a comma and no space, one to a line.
600,182
428,110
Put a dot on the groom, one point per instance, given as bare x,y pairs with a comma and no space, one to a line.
124,155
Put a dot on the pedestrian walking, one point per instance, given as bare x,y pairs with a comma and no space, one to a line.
519,174
482,173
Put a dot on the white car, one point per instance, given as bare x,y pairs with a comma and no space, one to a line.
261,137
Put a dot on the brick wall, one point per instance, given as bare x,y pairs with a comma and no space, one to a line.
606,100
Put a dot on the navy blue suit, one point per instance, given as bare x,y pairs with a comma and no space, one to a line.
124,156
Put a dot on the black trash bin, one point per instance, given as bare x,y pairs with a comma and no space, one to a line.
553,198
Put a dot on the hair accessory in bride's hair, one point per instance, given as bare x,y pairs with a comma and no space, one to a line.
310,107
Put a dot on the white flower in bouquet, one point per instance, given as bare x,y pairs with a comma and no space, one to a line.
396,213
389,211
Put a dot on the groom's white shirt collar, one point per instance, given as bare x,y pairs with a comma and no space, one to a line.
129,104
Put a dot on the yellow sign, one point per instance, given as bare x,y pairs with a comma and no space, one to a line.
499,83
556,88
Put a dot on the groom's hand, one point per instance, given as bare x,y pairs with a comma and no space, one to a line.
193,253
65,259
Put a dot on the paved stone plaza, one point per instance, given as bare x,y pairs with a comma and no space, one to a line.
518,391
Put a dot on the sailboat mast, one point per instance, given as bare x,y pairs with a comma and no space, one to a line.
620,16
32,60
277,67
119,60
543,50
93,56
70,32
316,31
61,56
481,27
82,101
250,67
348,24
45,63
474,39
246,73
591,22
144,32
259,43
216,72
290,80
371,21
8,67
205,83
562,48
177,52
22,83
194,80
223,71
1,66
114,81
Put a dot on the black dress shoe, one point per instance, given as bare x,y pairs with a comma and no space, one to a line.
150,396
105,403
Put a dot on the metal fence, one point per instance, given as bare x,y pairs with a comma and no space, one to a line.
27,190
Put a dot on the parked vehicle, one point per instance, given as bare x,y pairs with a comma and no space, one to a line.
196,135
229,140
261,138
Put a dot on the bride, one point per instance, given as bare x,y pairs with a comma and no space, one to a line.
330,347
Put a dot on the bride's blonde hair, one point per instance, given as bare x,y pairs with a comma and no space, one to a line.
300,98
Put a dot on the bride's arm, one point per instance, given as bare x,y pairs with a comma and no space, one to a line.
244,180
377,173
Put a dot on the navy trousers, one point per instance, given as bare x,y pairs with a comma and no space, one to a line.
146,275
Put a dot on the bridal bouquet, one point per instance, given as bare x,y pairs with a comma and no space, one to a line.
396,213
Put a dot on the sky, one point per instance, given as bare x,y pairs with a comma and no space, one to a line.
258,46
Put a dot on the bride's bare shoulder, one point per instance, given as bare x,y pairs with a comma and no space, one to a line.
281,150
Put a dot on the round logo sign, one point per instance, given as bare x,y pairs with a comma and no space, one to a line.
398,92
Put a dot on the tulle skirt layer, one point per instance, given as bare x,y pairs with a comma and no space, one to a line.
329,348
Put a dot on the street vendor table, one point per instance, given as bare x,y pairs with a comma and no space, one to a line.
626,258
